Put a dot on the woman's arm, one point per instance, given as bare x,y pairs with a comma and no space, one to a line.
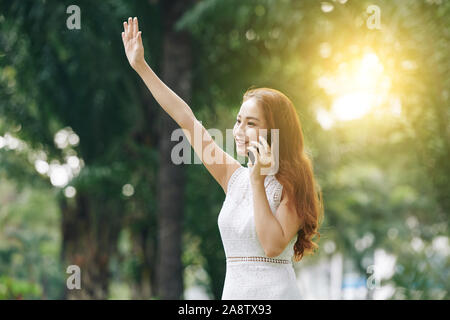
274,231
176,107
167,99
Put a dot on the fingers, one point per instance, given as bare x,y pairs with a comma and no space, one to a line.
131,32
126,28
254,149
139,38
136,27
264,142
265,156
130,28
255,153
258,145
125,33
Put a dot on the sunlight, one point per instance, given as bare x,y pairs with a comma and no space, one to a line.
352,106
360,88
356,88
59,175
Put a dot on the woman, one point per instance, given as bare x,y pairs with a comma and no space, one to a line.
266,220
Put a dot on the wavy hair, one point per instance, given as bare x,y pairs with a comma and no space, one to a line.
295,171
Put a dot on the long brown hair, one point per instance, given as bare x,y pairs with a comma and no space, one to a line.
295,170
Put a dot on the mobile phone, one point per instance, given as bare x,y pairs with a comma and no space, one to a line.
250,154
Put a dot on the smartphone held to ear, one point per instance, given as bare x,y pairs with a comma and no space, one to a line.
251,156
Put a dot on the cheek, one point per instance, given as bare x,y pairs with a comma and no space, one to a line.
252,134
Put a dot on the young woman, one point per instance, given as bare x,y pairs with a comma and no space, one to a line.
266,220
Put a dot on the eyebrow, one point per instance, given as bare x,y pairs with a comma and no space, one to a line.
249,117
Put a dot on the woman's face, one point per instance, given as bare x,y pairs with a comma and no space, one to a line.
249,121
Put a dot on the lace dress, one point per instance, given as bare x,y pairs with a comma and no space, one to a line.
253,280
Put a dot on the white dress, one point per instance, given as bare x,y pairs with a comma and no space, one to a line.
253,280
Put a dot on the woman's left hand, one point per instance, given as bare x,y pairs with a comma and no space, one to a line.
263,160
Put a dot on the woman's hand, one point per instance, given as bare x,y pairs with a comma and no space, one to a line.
263,160
132,42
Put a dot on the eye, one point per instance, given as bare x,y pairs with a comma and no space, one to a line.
238,121
251,123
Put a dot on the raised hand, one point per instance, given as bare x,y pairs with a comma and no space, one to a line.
132,42
263,162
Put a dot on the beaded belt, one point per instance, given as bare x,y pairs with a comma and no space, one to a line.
262,259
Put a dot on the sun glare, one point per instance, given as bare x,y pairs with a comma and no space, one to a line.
356,88
352,106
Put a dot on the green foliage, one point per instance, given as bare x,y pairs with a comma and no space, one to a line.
377,173
29,244
18,289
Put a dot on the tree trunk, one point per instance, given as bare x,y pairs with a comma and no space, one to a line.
176,74
90,230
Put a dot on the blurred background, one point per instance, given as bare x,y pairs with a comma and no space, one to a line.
85,171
